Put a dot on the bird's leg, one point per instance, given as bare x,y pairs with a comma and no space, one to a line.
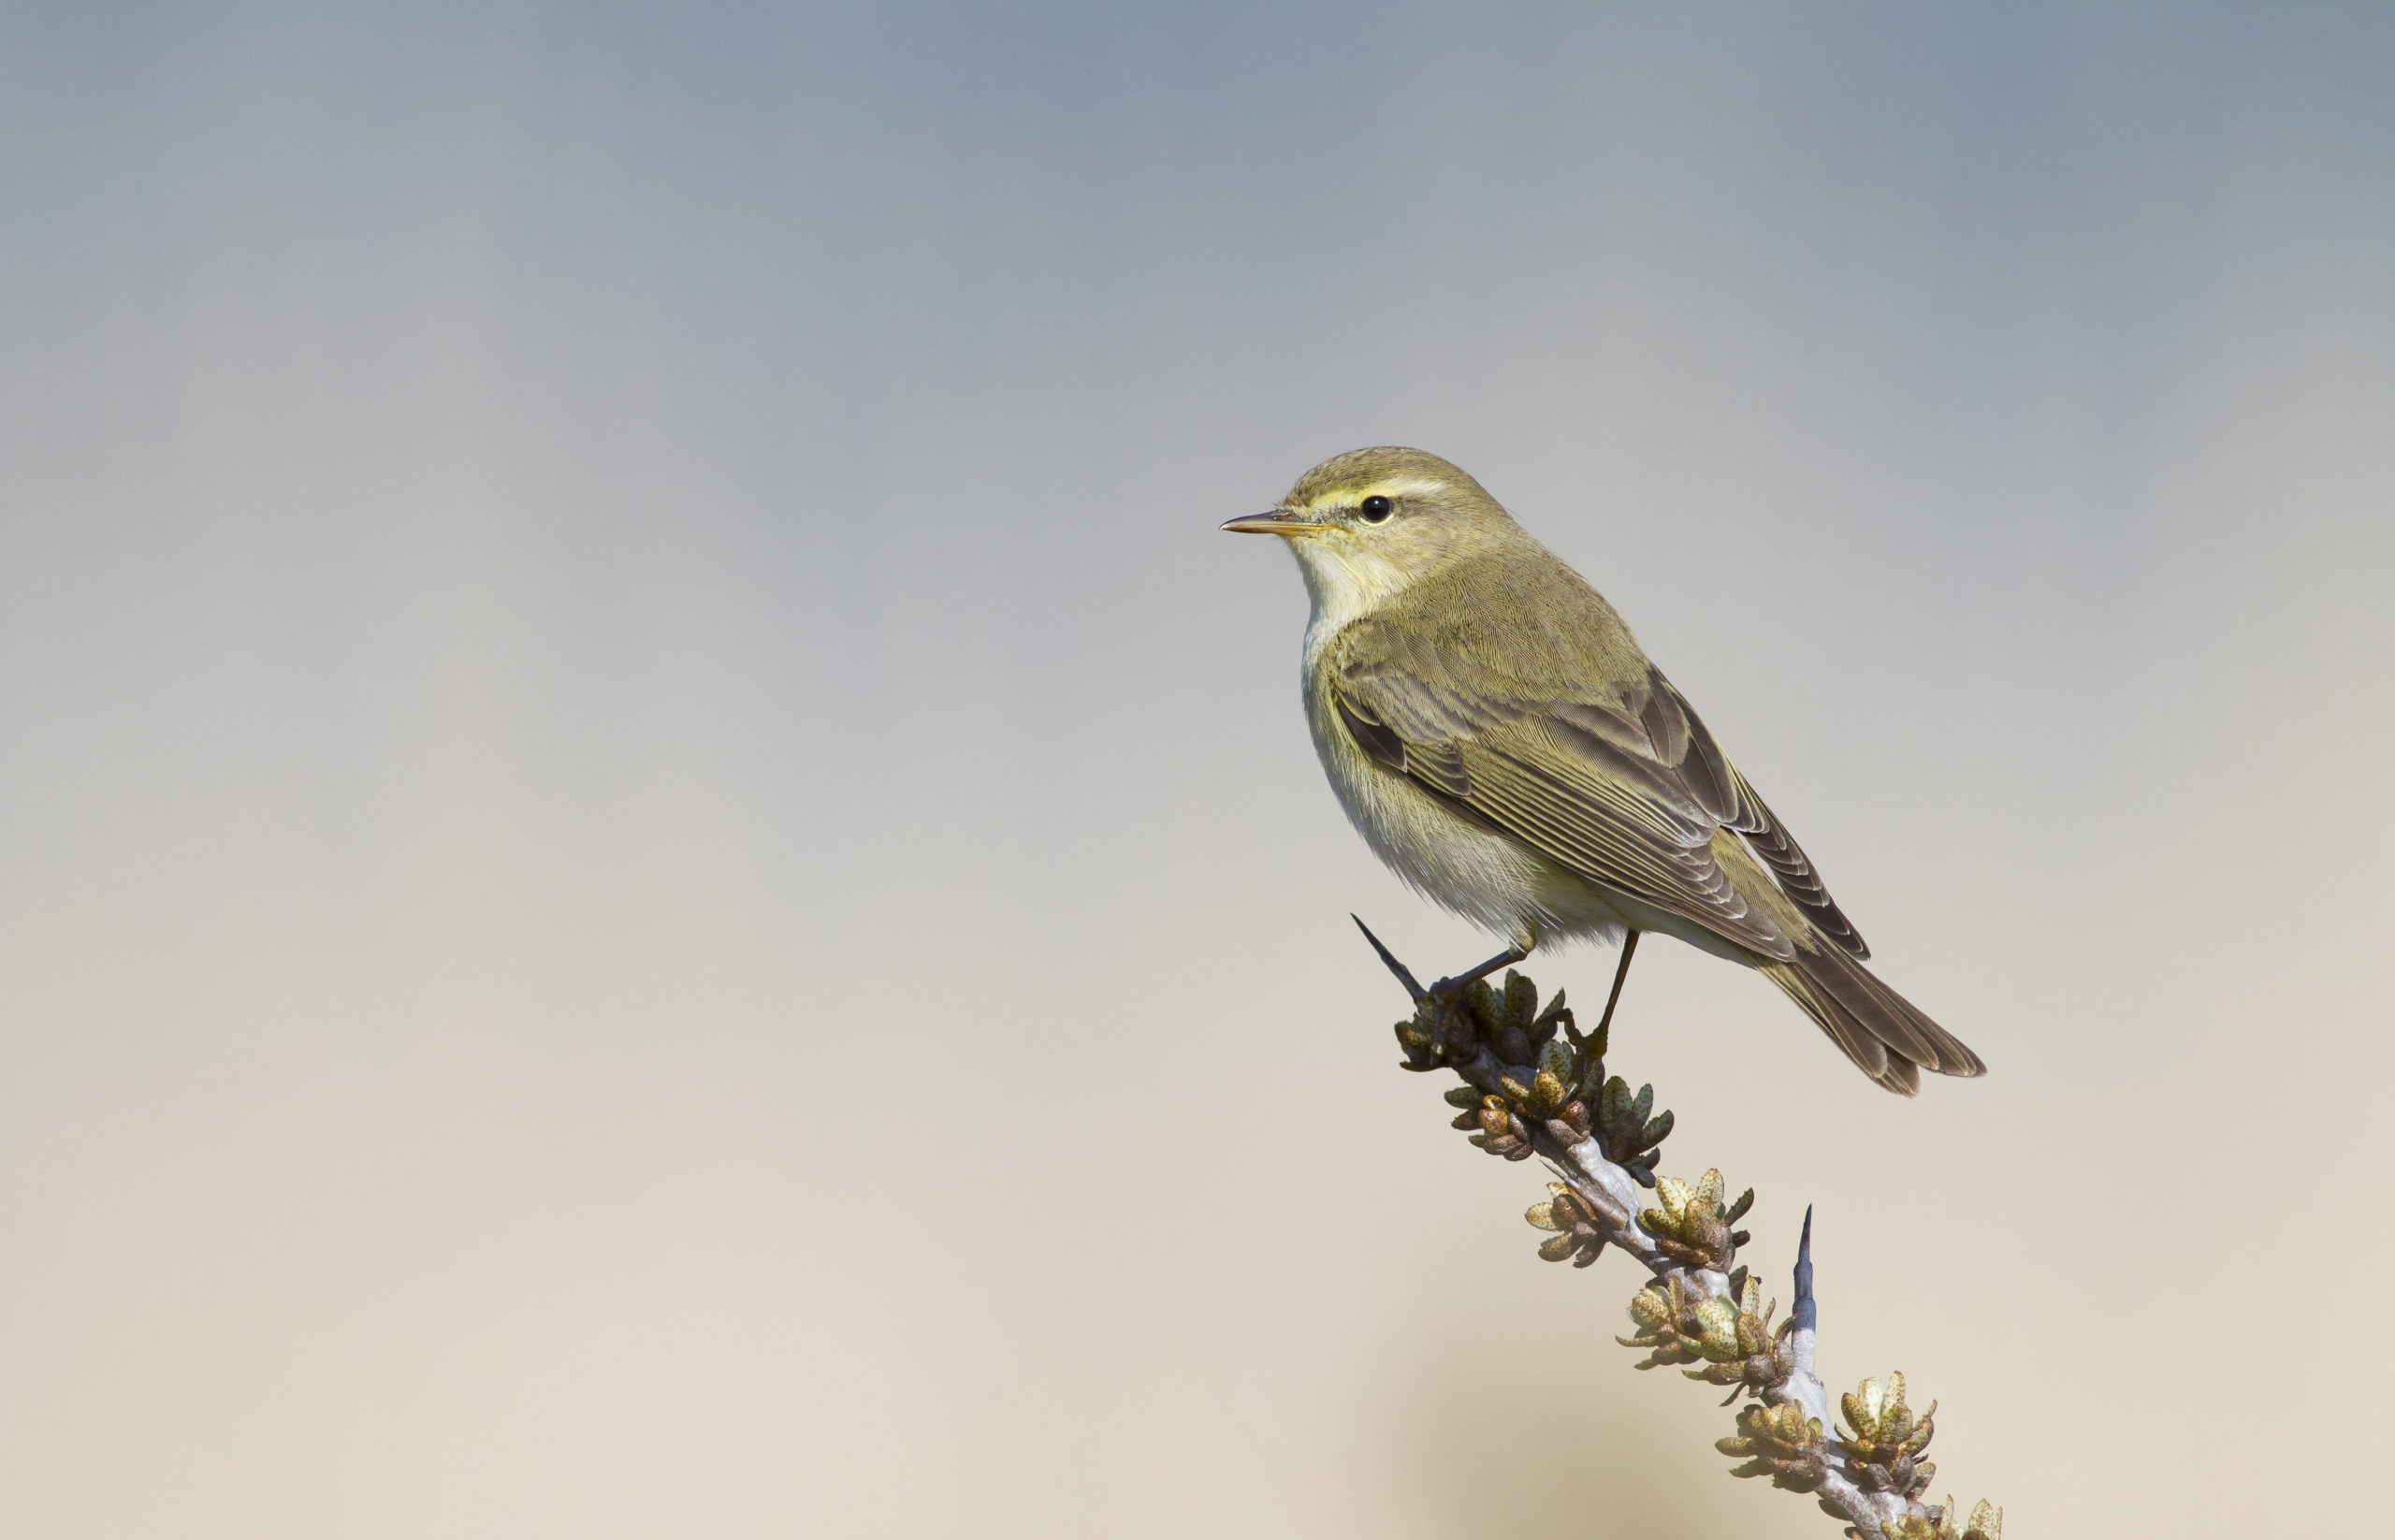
1621,971
1519,948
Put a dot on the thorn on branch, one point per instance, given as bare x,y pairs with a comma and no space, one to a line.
1413,990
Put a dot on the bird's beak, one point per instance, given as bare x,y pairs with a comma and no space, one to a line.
1279,521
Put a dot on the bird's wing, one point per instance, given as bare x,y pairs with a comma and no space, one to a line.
1624,787
1741,810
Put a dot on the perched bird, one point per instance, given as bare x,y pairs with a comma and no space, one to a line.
1499,739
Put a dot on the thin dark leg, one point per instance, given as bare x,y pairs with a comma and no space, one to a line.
1445,987
1621,972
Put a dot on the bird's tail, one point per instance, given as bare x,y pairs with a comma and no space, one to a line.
1878,1029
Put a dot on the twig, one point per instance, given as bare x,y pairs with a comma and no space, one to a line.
1535,1085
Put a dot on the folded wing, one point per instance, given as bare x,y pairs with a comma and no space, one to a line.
1622,785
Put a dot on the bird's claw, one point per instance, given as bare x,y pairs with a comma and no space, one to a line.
1446,989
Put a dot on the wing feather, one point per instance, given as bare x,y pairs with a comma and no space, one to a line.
1624,785
1725,793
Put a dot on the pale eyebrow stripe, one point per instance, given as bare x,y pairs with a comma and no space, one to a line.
1395,486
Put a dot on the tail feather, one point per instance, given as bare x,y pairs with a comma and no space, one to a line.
1883,1032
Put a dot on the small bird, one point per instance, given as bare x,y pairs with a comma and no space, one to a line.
1500,740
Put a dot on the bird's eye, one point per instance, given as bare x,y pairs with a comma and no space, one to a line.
1376,509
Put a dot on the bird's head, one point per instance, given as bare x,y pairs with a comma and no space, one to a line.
1366,524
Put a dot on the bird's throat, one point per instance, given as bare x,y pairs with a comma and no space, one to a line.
1345,584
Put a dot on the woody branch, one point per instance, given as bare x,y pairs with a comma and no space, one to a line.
1535,1085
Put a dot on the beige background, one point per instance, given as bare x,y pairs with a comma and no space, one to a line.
656,878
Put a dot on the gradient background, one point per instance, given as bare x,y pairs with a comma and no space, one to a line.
657,878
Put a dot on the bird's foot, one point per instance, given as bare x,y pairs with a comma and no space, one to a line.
1446,989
